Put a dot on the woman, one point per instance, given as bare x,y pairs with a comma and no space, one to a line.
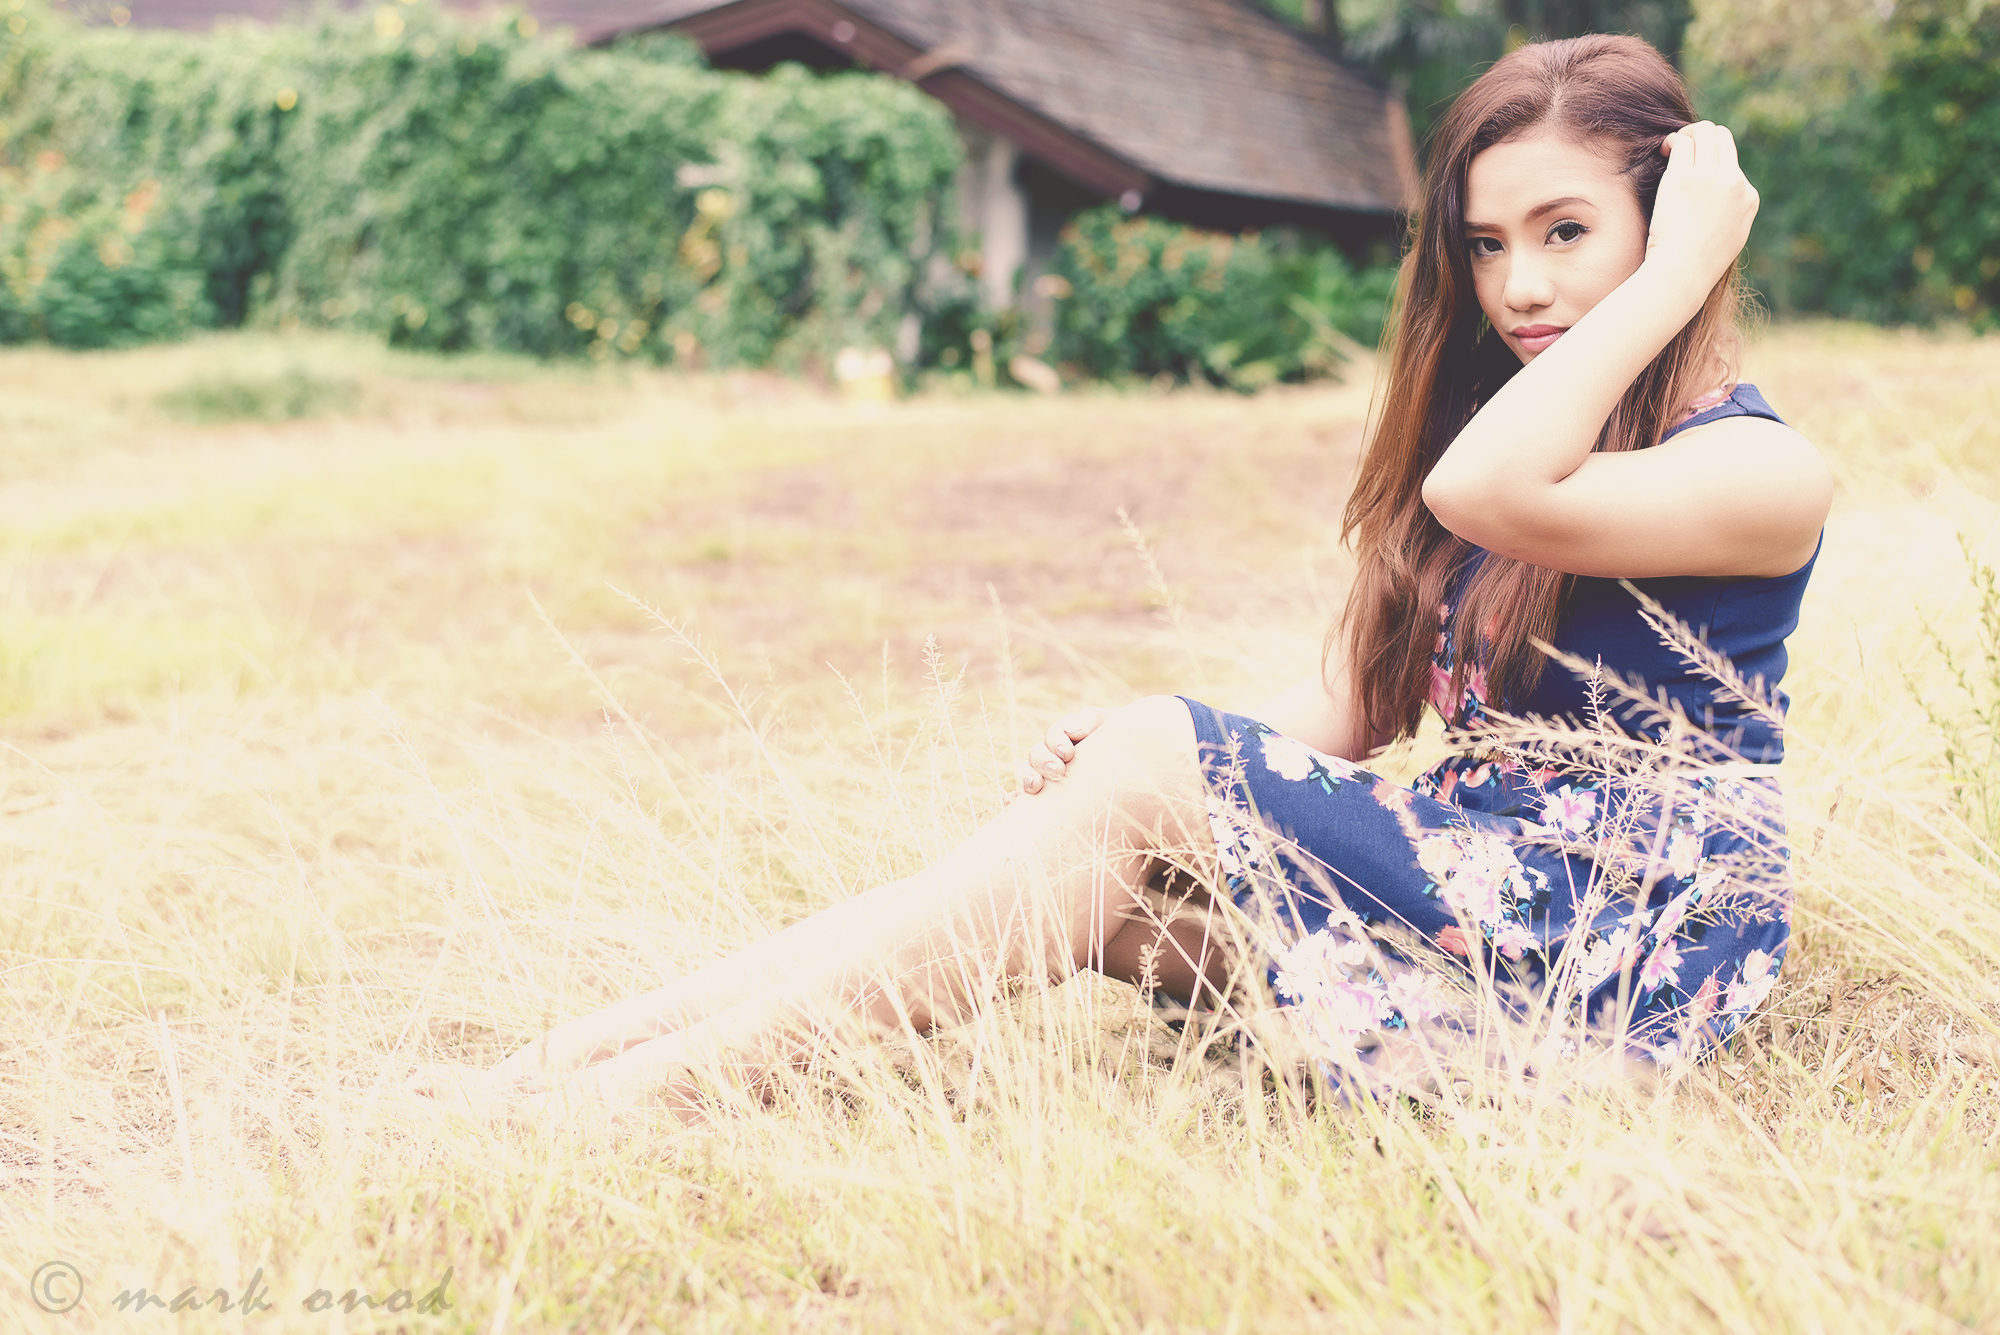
1564,460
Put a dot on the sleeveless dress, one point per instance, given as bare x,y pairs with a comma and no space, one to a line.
1614,876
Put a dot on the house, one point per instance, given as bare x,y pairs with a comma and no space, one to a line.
1212,112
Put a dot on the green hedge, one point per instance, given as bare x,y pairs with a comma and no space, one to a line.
452,184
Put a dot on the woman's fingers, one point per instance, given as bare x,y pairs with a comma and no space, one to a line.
1059,743
1702,144
1725,147
1704,208
1026,781
1048,759
1715,148
1685,142
1082,723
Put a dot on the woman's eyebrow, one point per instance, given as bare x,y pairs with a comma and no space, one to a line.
1555,204
1534,213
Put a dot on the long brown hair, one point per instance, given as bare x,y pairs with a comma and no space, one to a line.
1619,95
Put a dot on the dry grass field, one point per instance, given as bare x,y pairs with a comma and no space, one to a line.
330,745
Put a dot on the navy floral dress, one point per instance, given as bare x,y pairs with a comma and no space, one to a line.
1621,880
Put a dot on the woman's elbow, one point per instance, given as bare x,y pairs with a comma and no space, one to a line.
1451,499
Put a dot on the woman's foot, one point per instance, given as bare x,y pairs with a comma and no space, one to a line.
471,1088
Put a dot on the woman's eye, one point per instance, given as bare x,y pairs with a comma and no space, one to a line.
1567,231
1483,246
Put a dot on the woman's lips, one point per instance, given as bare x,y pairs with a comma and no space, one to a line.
1535,337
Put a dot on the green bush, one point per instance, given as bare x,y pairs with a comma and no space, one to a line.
1149,298
1880,174
1939,159
85,271
152,153
453,184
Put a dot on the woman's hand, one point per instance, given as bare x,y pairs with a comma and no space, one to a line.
1048,760
1705,205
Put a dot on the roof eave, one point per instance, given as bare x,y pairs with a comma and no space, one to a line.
938,73
944,75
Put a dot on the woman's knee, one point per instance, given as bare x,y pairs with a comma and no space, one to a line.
1149,737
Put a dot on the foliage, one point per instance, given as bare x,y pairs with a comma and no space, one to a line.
1785,83
1939,153
449,183
1151,298
86,270
1875,142
1431,49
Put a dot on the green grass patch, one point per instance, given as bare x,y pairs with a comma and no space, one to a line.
284,396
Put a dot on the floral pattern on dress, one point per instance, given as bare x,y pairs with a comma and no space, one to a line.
1386,901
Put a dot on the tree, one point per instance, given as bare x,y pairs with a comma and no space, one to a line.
1431,49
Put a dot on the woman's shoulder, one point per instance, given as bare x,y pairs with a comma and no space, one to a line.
1738,400
1741,435
1759,472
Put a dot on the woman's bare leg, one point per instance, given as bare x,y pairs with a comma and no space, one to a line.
1049,887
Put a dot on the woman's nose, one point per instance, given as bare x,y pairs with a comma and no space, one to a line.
1528,287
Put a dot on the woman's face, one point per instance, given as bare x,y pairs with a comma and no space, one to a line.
1552,227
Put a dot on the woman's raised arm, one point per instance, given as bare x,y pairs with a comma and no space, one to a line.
1737,497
